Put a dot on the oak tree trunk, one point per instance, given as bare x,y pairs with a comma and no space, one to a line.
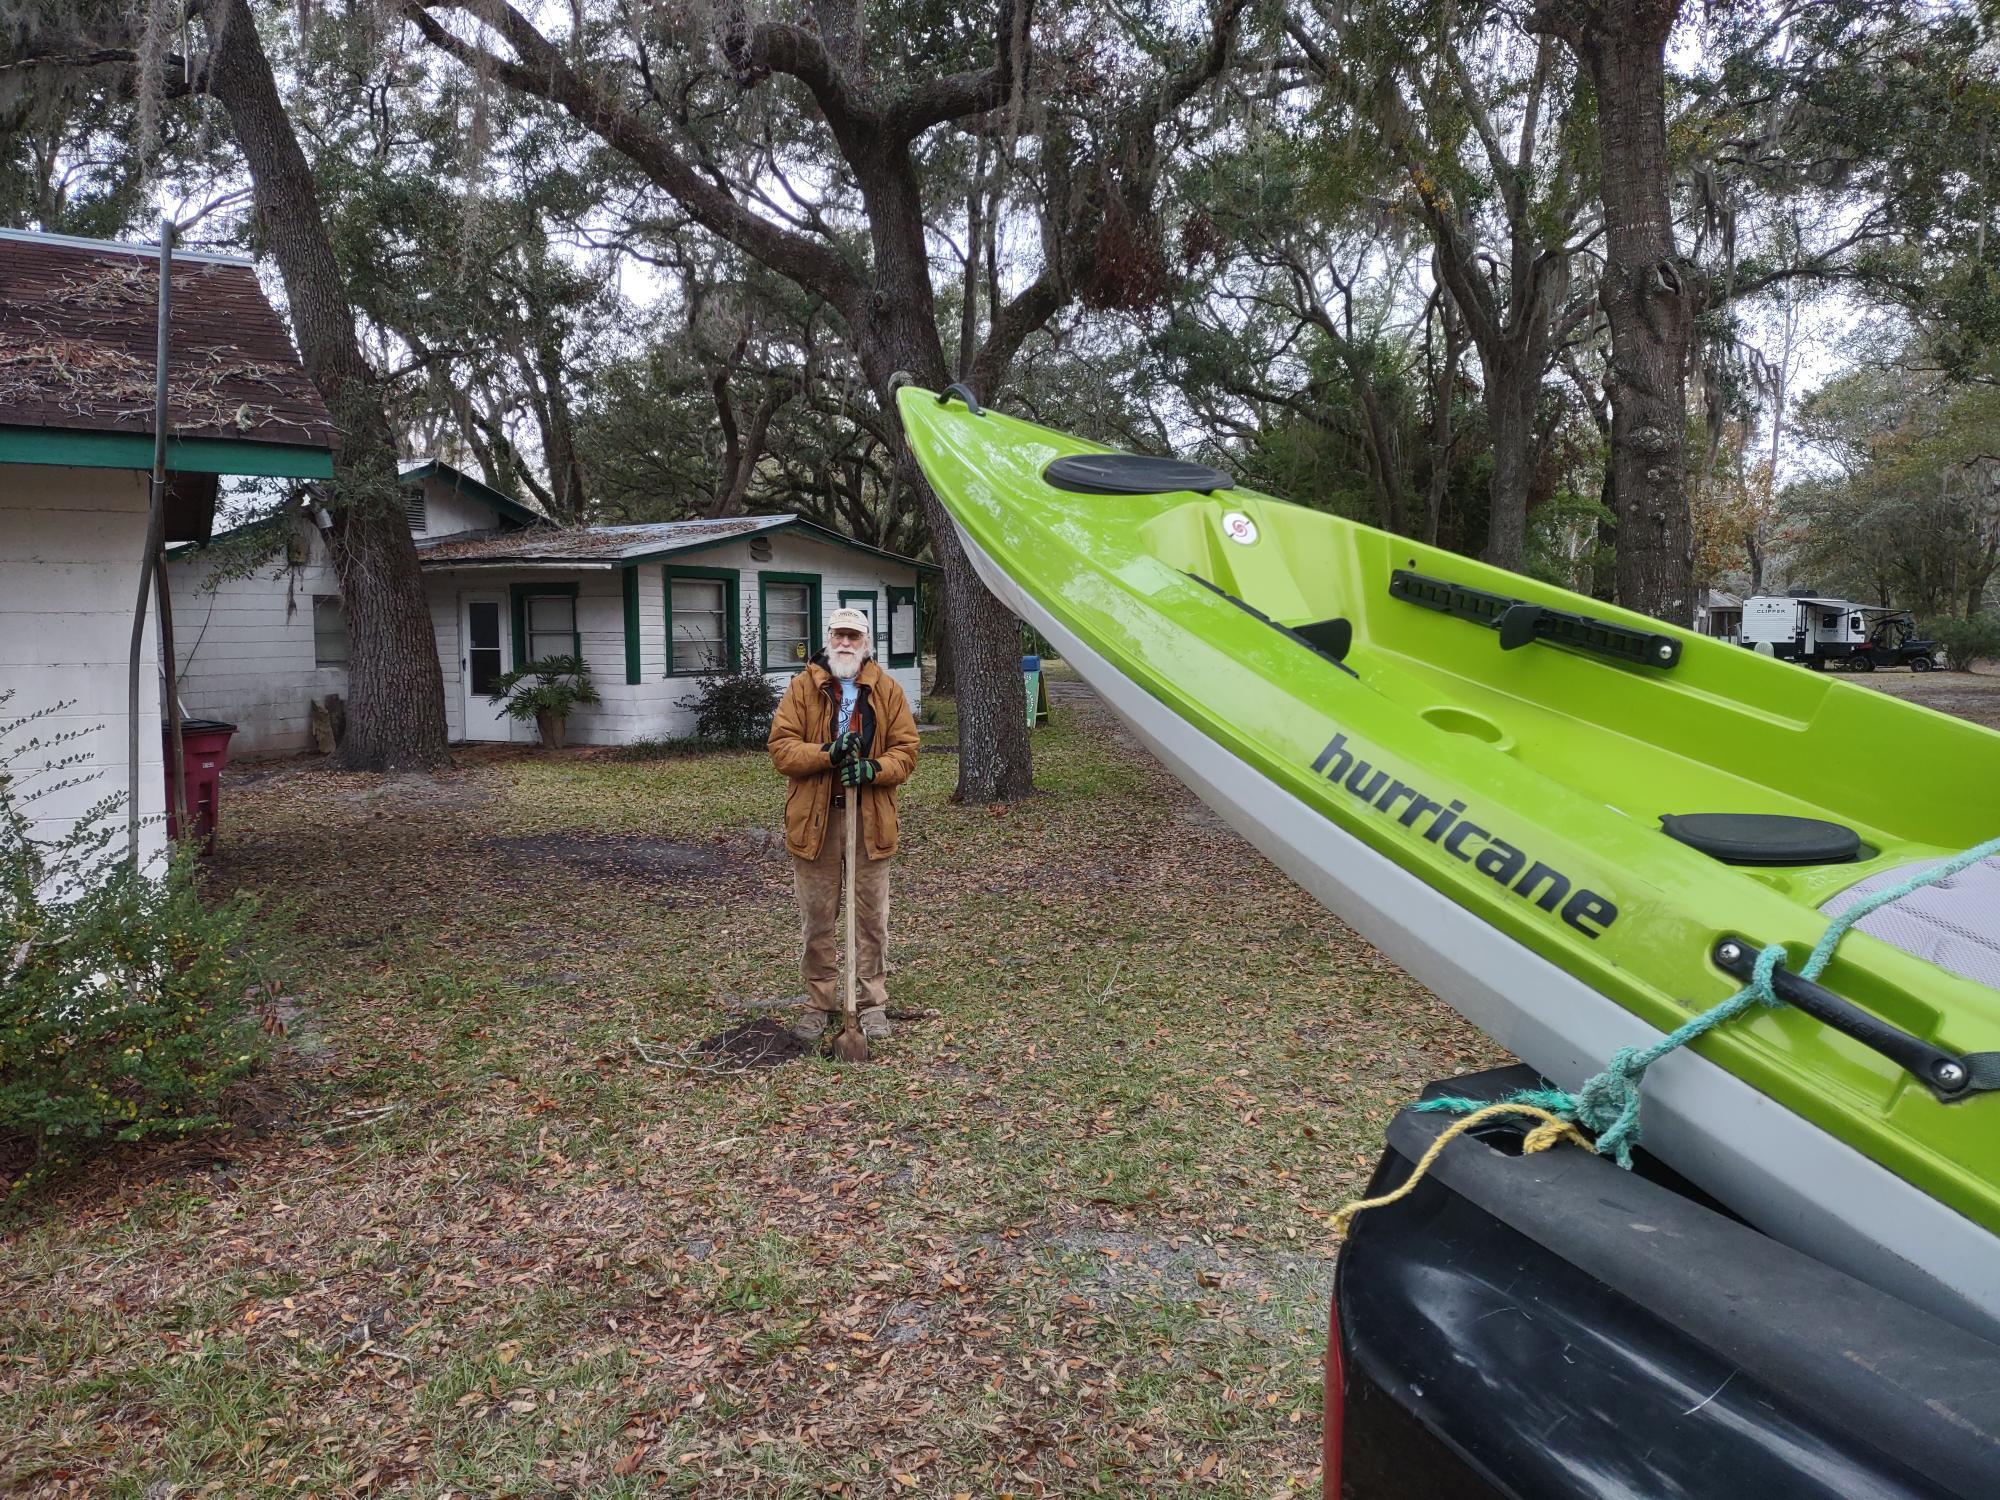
569,498
1604,572
395,712
1622,44
1511,391
899,334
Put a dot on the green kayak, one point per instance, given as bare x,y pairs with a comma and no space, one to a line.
1566,818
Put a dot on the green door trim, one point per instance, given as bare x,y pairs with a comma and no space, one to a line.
874,598
909,594
629,578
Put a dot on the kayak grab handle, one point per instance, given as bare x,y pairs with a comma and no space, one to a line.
1522,622
963,391
1947,1074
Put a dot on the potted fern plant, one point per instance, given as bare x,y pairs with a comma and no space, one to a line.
545,691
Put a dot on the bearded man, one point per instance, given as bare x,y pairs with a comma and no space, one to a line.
843,730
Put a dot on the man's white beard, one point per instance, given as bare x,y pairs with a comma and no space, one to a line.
845,660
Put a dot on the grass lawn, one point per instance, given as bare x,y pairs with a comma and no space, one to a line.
1067,1237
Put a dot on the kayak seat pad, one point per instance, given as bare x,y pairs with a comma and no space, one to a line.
1132,474
1764,838
1953,923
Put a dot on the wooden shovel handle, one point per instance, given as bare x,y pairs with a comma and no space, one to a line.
853,817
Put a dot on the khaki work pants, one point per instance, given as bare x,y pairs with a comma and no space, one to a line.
817,882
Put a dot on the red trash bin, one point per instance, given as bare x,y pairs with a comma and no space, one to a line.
204,752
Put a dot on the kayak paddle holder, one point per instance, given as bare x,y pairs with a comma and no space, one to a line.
1521,622
1948,1075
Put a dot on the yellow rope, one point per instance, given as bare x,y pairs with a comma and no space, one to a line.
1553,1128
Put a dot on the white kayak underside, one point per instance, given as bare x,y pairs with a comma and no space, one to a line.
1780,1172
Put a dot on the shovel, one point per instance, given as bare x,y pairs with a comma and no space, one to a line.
851,1045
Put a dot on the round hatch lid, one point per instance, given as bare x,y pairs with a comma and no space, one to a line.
1132,474
1764,838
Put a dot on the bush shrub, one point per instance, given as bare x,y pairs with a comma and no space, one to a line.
1964,641
123,1010
733,706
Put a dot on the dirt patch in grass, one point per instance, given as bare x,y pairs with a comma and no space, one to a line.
628,856
415,792
762,1043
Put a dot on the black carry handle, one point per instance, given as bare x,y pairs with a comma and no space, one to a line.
1522,623
1948,1075
963,391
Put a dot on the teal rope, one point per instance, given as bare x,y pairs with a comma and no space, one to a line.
1607,1105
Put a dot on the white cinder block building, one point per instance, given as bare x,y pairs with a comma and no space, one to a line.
77,346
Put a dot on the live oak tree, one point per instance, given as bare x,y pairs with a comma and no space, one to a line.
454,210
1487,153
1907,506
396,693
395,713
865,88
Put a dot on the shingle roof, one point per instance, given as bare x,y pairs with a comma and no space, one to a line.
78,324
592,544
618,546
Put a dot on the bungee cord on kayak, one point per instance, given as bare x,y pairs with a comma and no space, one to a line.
1607,1103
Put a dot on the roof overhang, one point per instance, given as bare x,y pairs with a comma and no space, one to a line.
66,448
518,565
785,523
599,561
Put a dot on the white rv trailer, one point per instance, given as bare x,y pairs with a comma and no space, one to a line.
1815,631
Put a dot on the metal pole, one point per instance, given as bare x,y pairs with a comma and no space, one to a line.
156,523
170,684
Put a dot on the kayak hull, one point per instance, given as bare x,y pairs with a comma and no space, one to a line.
1878,1229
1474,768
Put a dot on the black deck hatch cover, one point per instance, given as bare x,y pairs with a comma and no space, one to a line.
1133,474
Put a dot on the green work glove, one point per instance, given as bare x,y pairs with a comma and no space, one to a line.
859,772
841,748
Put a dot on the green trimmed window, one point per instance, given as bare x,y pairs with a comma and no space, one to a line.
702,621
551,626
905,625
788,606
545,621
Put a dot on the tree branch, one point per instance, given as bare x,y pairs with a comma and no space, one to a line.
756,52
974,91
1011,327
544,72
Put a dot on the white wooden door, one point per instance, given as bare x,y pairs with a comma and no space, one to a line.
482,638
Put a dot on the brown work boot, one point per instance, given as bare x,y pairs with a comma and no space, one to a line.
875,1022
810,1026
